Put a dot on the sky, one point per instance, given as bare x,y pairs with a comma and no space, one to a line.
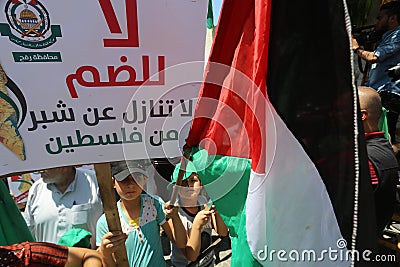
216,9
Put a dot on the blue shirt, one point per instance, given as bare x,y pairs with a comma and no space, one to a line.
143,245
388,52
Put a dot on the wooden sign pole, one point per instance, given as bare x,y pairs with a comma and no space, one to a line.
182,170
103,173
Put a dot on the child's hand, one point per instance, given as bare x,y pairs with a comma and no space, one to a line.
212,207
111,242
202,218
171,211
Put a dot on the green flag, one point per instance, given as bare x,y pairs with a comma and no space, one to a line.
210,16
13,228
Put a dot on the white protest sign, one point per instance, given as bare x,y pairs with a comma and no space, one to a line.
97,81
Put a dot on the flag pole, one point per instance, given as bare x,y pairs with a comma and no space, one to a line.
182,170
103,174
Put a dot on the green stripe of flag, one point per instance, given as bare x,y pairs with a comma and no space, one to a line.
210,16
226,180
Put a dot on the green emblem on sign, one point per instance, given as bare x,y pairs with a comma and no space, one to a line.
29,24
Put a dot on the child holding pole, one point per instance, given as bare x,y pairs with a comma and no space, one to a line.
141,216
198,218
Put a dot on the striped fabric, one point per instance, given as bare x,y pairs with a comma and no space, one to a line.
34,254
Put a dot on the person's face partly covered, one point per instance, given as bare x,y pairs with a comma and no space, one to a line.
131,187
190,187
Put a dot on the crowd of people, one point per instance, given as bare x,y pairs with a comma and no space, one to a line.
65,216
381,93
385,56
64,211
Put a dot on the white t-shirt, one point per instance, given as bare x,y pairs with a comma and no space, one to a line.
177,257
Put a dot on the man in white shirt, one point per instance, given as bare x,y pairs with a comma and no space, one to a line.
64,198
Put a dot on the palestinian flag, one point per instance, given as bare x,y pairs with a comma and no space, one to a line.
210,30
276,139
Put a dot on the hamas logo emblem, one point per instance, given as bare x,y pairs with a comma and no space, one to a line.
29,24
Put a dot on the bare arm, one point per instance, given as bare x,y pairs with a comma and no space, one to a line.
174,228
192,249
366,55
83,257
